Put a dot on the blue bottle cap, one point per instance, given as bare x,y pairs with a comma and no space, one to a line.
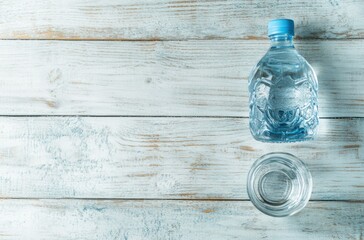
281,26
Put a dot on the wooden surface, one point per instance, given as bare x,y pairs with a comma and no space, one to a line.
175,19
165,78
128,119
164,158
48,219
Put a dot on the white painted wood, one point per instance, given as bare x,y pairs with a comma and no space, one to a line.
75,219
173,78
170,19
167,158
164,158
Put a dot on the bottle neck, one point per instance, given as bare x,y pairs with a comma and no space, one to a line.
281,41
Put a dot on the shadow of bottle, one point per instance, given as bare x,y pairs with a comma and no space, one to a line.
339,70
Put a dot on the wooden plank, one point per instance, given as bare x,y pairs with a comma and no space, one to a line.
164,158
172,19
173,78
75,219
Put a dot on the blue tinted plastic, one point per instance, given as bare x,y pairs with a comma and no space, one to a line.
281,26
283,95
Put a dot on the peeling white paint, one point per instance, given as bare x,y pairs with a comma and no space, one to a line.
76,219
120,157
168,78
168,19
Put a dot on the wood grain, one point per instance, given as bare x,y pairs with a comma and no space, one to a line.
71,219
164,158
171,177
173,78
177,20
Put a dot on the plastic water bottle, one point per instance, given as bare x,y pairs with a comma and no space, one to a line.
283,90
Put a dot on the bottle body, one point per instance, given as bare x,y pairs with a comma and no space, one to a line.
283,95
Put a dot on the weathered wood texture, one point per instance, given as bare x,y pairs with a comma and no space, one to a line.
166,158
178,158
173,78
168,19
74,219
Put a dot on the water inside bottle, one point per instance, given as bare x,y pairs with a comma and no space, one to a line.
283,95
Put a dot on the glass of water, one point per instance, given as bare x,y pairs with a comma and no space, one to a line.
279,184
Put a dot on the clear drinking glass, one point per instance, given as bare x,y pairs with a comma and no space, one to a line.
279,184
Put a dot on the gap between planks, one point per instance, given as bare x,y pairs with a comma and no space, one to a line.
153,116
165,199
173,40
